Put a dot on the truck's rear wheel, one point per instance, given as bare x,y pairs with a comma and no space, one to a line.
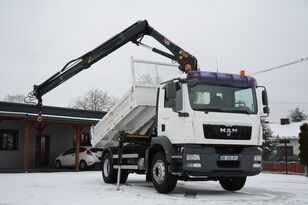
232,183
109,174
163,180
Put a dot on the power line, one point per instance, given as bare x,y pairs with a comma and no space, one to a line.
285,102
280,66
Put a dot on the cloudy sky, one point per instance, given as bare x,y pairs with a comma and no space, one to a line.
38,37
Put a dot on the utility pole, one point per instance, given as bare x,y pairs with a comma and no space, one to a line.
286,154
285,141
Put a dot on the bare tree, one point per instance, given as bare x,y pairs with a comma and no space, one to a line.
147,78
18,98
94,99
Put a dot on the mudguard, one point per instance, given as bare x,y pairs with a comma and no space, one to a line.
160,143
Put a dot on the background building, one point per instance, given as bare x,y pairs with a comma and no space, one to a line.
27,144
289,132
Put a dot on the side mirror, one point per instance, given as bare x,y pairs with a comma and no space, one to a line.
264,98
171,103
171,91
266,110
193,82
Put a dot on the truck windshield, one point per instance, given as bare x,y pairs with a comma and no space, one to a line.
214,98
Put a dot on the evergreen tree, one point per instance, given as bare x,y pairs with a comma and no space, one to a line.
269,142
297,115
303,144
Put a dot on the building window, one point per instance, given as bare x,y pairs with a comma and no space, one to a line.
8,139
281,151
85,139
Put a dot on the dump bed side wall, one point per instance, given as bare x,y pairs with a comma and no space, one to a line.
130,114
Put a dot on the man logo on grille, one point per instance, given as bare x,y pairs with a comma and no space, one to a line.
228,131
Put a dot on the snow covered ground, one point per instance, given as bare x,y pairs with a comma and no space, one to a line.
89,188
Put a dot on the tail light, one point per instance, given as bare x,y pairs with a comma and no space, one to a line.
89,153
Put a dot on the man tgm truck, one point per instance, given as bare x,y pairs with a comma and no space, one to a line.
195,126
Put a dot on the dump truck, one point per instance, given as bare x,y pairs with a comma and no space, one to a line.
194,126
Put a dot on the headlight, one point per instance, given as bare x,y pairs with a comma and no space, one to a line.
257,158
192,157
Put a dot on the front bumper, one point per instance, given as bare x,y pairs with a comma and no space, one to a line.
211,165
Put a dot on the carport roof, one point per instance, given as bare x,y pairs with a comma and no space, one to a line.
50,113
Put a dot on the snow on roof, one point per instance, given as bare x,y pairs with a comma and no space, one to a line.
55,117
286,131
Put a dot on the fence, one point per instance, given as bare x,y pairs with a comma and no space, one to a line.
293,167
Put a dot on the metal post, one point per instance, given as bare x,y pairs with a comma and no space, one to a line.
77,146
27,132
286,155
132,63
39,145
121,138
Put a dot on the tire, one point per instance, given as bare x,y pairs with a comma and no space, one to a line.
163,181
232,183
109,174
82,165
58,164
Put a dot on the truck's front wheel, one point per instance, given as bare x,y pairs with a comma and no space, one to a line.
232,183
163,180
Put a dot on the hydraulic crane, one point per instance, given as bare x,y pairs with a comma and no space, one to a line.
135,34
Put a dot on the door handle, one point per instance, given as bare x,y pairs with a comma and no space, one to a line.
183,114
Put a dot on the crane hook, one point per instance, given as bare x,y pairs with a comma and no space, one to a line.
40,109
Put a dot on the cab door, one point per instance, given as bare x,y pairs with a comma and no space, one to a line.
172,116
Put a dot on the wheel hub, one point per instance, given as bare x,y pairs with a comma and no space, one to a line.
106,167
159,172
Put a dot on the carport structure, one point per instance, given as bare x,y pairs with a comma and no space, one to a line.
76,120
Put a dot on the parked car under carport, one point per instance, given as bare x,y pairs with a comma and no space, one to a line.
88,156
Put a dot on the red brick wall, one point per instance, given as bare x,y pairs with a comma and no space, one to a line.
293,167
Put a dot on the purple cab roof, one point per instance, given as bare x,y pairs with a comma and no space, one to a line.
223,78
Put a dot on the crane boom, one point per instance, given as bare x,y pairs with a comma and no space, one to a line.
134,33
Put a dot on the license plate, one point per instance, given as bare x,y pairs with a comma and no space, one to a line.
228,158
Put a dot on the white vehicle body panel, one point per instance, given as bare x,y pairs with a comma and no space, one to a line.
132,113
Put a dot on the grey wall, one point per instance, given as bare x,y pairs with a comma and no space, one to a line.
12,158
60,139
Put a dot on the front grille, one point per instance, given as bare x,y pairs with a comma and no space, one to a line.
228,150
227,132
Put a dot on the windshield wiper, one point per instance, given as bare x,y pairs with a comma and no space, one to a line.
238,111
224,110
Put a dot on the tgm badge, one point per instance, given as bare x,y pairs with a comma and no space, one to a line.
228,131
